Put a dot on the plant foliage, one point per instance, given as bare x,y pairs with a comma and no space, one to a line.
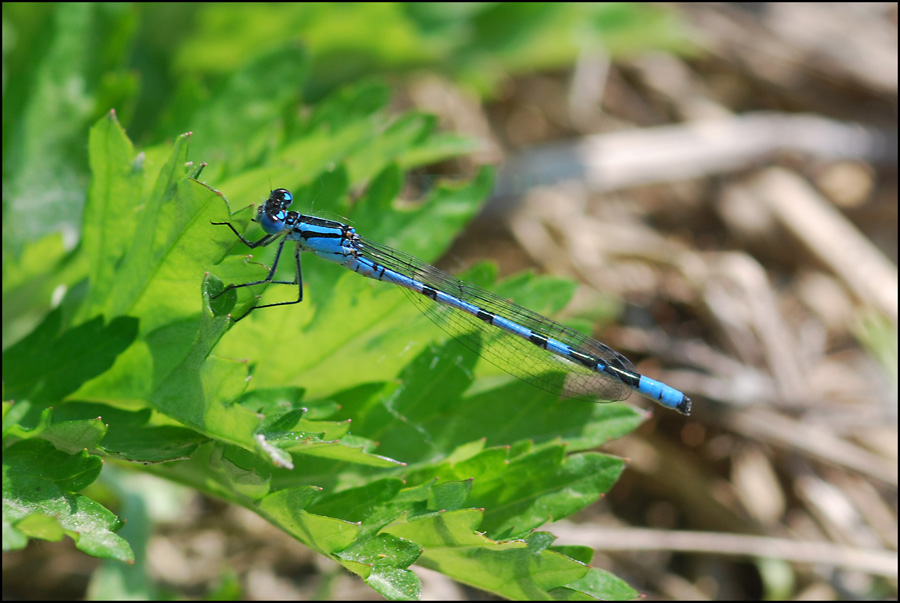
138,364
349,420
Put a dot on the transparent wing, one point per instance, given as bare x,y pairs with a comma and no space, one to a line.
503,349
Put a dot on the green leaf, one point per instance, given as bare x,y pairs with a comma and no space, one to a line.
45,163
542,486
327,535
519,569
388,557
40,500
349,420
264,89
51,363
596,584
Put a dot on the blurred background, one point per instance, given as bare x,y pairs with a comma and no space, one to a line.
723,175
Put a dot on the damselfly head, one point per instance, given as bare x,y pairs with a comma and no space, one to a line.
274,212
279,199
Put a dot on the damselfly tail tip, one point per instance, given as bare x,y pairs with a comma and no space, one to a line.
684,407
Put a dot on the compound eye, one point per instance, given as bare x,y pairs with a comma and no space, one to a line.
282,197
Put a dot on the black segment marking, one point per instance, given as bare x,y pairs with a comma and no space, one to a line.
627,377
487,317
538,340
588,361
429,292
